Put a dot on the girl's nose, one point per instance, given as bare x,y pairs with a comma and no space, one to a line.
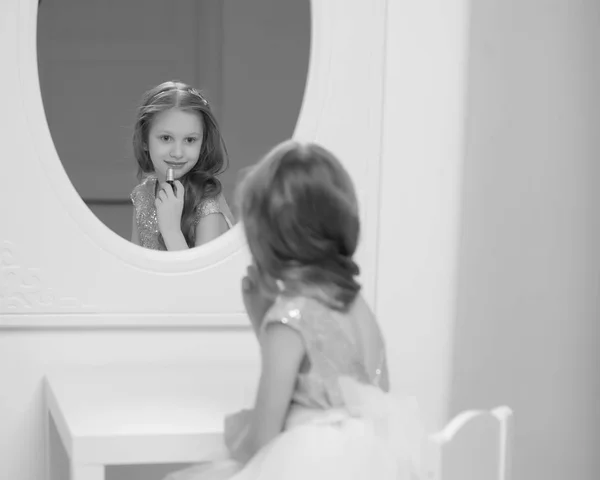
177,151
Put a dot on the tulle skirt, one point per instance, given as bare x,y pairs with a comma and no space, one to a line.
376,436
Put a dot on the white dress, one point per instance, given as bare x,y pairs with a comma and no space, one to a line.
342,424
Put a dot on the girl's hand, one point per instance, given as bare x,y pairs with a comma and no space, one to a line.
256,300
169,207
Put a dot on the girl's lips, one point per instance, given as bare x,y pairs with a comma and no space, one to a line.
175,164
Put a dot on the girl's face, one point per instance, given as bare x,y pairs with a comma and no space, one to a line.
174,141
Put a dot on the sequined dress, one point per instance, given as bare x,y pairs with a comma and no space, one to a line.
342,424
143,198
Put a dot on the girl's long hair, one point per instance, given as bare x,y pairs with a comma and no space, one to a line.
300,216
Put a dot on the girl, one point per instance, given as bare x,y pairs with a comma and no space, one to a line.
322,410
176,130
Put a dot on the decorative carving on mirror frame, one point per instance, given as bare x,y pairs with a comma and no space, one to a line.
22,289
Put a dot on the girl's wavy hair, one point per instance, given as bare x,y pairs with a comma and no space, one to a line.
300,216
201,181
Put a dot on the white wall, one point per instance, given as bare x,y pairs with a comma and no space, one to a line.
501,243
420,191
527,331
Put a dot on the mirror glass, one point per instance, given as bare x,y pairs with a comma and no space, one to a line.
248,60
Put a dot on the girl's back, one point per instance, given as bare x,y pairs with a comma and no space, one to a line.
338,343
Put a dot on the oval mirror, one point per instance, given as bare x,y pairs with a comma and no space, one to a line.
248,59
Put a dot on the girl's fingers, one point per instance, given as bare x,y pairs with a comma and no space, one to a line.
166,189
247,284
179,189
252,272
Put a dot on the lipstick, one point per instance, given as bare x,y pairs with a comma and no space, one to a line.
171,178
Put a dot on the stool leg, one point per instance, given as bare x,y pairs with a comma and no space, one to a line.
87,472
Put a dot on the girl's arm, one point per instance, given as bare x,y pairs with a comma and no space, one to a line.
135,235
175,241
210,227
282,352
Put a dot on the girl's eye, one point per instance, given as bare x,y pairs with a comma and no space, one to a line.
191,140
165,138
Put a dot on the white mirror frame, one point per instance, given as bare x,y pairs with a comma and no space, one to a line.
72,270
